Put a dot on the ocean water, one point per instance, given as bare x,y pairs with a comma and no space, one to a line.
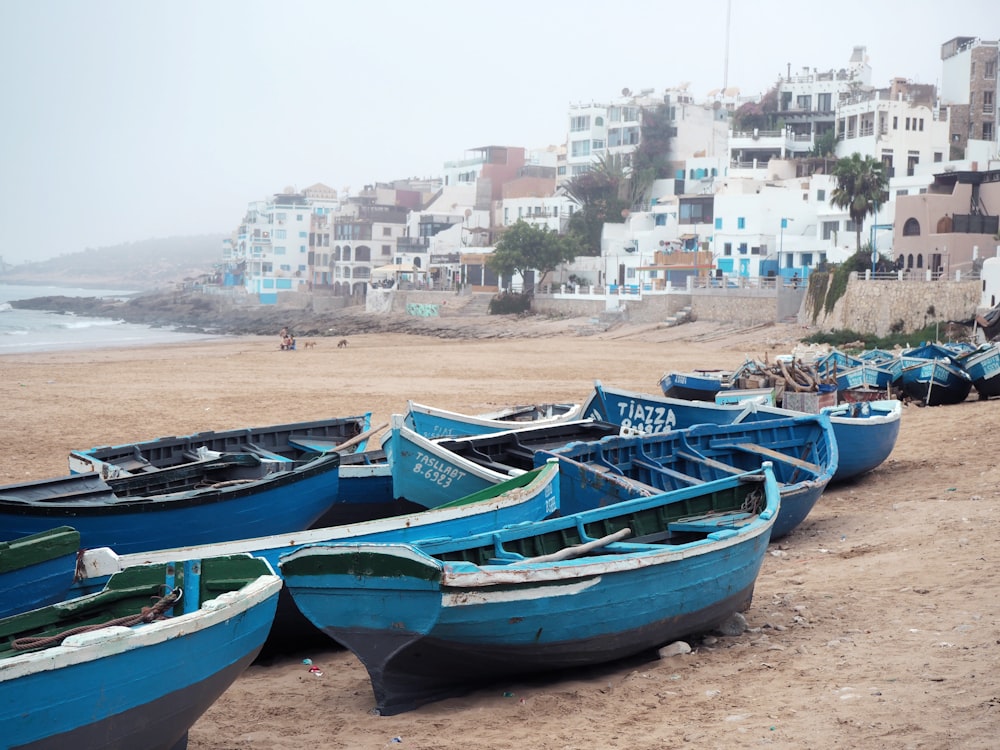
25,331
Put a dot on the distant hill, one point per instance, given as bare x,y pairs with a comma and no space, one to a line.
149,264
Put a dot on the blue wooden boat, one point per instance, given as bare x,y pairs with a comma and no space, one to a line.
283,443
697,385
983,366
365,489
100,672
233,496
433,619
802,449
528,497
645,413
865,436
864,376
432,472
934,382
432,422
37,570
834,362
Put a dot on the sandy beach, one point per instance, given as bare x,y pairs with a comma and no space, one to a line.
875,624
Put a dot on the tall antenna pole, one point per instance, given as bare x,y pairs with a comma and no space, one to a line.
725,64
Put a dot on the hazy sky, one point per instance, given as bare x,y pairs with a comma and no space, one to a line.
131,119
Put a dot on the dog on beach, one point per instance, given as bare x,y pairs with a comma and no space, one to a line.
342,343
309,345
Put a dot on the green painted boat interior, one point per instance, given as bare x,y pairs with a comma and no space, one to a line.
127,593
31,550
679,522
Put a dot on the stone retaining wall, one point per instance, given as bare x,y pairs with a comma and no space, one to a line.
882,308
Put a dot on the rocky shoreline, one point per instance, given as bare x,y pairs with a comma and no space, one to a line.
191,312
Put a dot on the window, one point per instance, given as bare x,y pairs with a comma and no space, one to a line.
614,137
727,248
387,231
580,148
280,234
743,248
576,124
911,228
630,137
718,222
987,131
902,192
741,222
988,102
938,156
597,144
280,250
895,123
990,69
386,250
302,235
821,195
598,122
830,230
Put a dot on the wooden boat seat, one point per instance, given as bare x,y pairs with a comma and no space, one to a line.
710,462
710,524
312,444
264,453
773,455
673,473
135,465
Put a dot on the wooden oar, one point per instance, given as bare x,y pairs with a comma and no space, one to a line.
358,438
569,553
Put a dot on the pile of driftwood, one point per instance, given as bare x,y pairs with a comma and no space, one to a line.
784,375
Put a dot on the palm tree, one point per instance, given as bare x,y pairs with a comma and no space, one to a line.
861,188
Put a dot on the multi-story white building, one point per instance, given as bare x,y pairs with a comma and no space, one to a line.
807,104
901,126
969,82
269,252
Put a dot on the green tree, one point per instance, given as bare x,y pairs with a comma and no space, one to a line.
861,188
524,247
598,192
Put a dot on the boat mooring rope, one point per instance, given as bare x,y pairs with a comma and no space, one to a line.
148,614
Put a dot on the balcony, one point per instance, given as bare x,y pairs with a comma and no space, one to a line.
412,244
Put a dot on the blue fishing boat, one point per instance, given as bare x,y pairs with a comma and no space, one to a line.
645,413
934,382
365,479
282,443
697,385
865,436
432,472
37,570
865,432
528,497
802,449
432,422
835,362
234,496
433,619
983,366
135,665
864,376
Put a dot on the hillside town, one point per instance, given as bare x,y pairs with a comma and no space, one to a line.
742,193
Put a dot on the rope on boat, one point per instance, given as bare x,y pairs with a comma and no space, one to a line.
148,614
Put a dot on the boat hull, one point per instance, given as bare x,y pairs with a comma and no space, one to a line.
141,687
983,366
864,442
38,570
278,502
935,382
424,619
